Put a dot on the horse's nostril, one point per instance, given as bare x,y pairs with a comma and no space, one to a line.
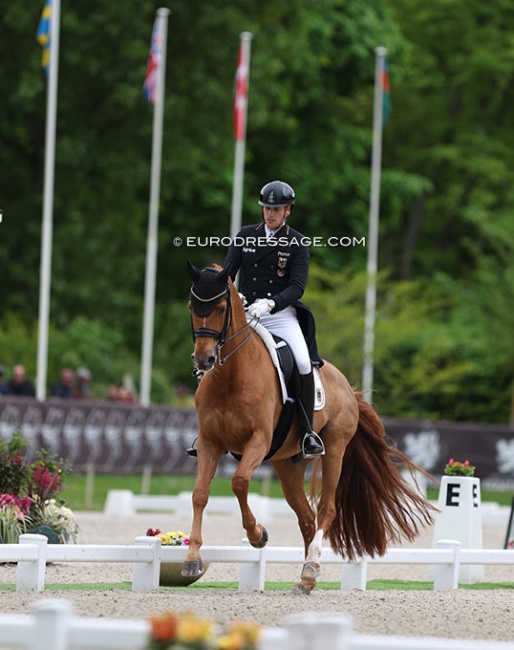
211,361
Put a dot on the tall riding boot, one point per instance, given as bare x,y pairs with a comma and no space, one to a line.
311,443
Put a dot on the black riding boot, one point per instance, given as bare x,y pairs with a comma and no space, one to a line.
311,443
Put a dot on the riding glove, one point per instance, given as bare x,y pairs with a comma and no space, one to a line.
261,307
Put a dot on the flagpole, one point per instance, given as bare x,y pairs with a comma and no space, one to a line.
240,146
48,200
153,220
371,290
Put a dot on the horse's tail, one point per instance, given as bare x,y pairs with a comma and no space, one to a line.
375,504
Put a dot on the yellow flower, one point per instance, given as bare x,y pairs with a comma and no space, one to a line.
192,629
249,632
165,538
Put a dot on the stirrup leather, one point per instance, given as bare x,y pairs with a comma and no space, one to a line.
306,454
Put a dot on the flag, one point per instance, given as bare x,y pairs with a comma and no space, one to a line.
153,63
43,34
241,95
386,92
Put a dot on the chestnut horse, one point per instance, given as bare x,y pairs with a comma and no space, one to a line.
364,501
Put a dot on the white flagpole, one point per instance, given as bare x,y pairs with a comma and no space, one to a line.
240,146
371,290
48,201
153,221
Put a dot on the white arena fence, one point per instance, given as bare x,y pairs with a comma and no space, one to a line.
124,503
33,552
53,626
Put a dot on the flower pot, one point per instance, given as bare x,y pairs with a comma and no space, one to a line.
170,575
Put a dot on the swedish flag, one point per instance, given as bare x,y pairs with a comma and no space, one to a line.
43,34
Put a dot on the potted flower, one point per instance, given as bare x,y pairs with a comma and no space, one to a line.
170,630
456,468
170,574
29,494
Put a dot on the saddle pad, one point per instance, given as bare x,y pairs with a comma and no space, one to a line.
319,390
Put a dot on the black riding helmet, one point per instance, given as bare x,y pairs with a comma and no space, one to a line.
277,194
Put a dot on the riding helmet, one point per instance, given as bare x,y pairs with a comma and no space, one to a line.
277,194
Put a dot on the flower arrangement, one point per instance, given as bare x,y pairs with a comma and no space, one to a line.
173,538
170,631
28,494
456,468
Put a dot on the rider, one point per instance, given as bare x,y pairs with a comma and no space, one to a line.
274,259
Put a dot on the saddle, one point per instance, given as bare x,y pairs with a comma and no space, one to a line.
285,365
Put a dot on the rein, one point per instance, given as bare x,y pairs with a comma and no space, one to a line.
221,336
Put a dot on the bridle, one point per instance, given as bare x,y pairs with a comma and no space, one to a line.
221,336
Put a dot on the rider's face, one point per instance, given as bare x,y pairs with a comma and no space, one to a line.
274,217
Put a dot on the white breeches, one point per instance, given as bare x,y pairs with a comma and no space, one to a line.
285,324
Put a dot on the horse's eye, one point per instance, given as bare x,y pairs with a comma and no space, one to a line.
221,310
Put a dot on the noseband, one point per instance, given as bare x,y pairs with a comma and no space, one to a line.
221,336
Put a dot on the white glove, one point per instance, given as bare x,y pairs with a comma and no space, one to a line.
261,307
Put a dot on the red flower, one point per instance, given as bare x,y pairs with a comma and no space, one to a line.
451,461
152,532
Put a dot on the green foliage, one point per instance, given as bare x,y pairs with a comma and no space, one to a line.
12,470
444,328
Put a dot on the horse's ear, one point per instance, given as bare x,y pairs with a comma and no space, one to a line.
224,273
194,273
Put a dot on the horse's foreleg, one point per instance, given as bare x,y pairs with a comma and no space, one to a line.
252,458
207,462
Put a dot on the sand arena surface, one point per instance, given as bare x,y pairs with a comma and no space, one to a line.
476,614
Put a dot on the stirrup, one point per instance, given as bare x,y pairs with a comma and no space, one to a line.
318,440
191,451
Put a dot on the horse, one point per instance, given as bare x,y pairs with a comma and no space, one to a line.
359,500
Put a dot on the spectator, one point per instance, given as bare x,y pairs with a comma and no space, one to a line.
113,393
19,384
82,383
64,387
3,386
124,395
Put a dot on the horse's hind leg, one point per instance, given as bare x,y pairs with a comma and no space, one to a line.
292,477
208,458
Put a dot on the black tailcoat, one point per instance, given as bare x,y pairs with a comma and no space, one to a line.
276,269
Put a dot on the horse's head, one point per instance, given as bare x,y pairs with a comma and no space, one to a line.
209,302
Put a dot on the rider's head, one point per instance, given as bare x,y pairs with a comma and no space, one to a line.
277,200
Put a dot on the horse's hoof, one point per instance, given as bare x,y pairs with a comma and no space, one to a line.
192,568
261,543
304,588
310,571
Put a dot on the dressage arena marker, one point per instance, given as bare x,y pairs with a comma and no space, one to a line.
52,625
460,519
146,554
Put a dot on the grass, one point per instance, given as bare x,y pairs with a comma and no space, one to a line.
77,497
372,585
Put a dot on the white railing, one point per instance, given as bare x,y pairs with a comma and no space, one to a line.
146,554
53,626
124,503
